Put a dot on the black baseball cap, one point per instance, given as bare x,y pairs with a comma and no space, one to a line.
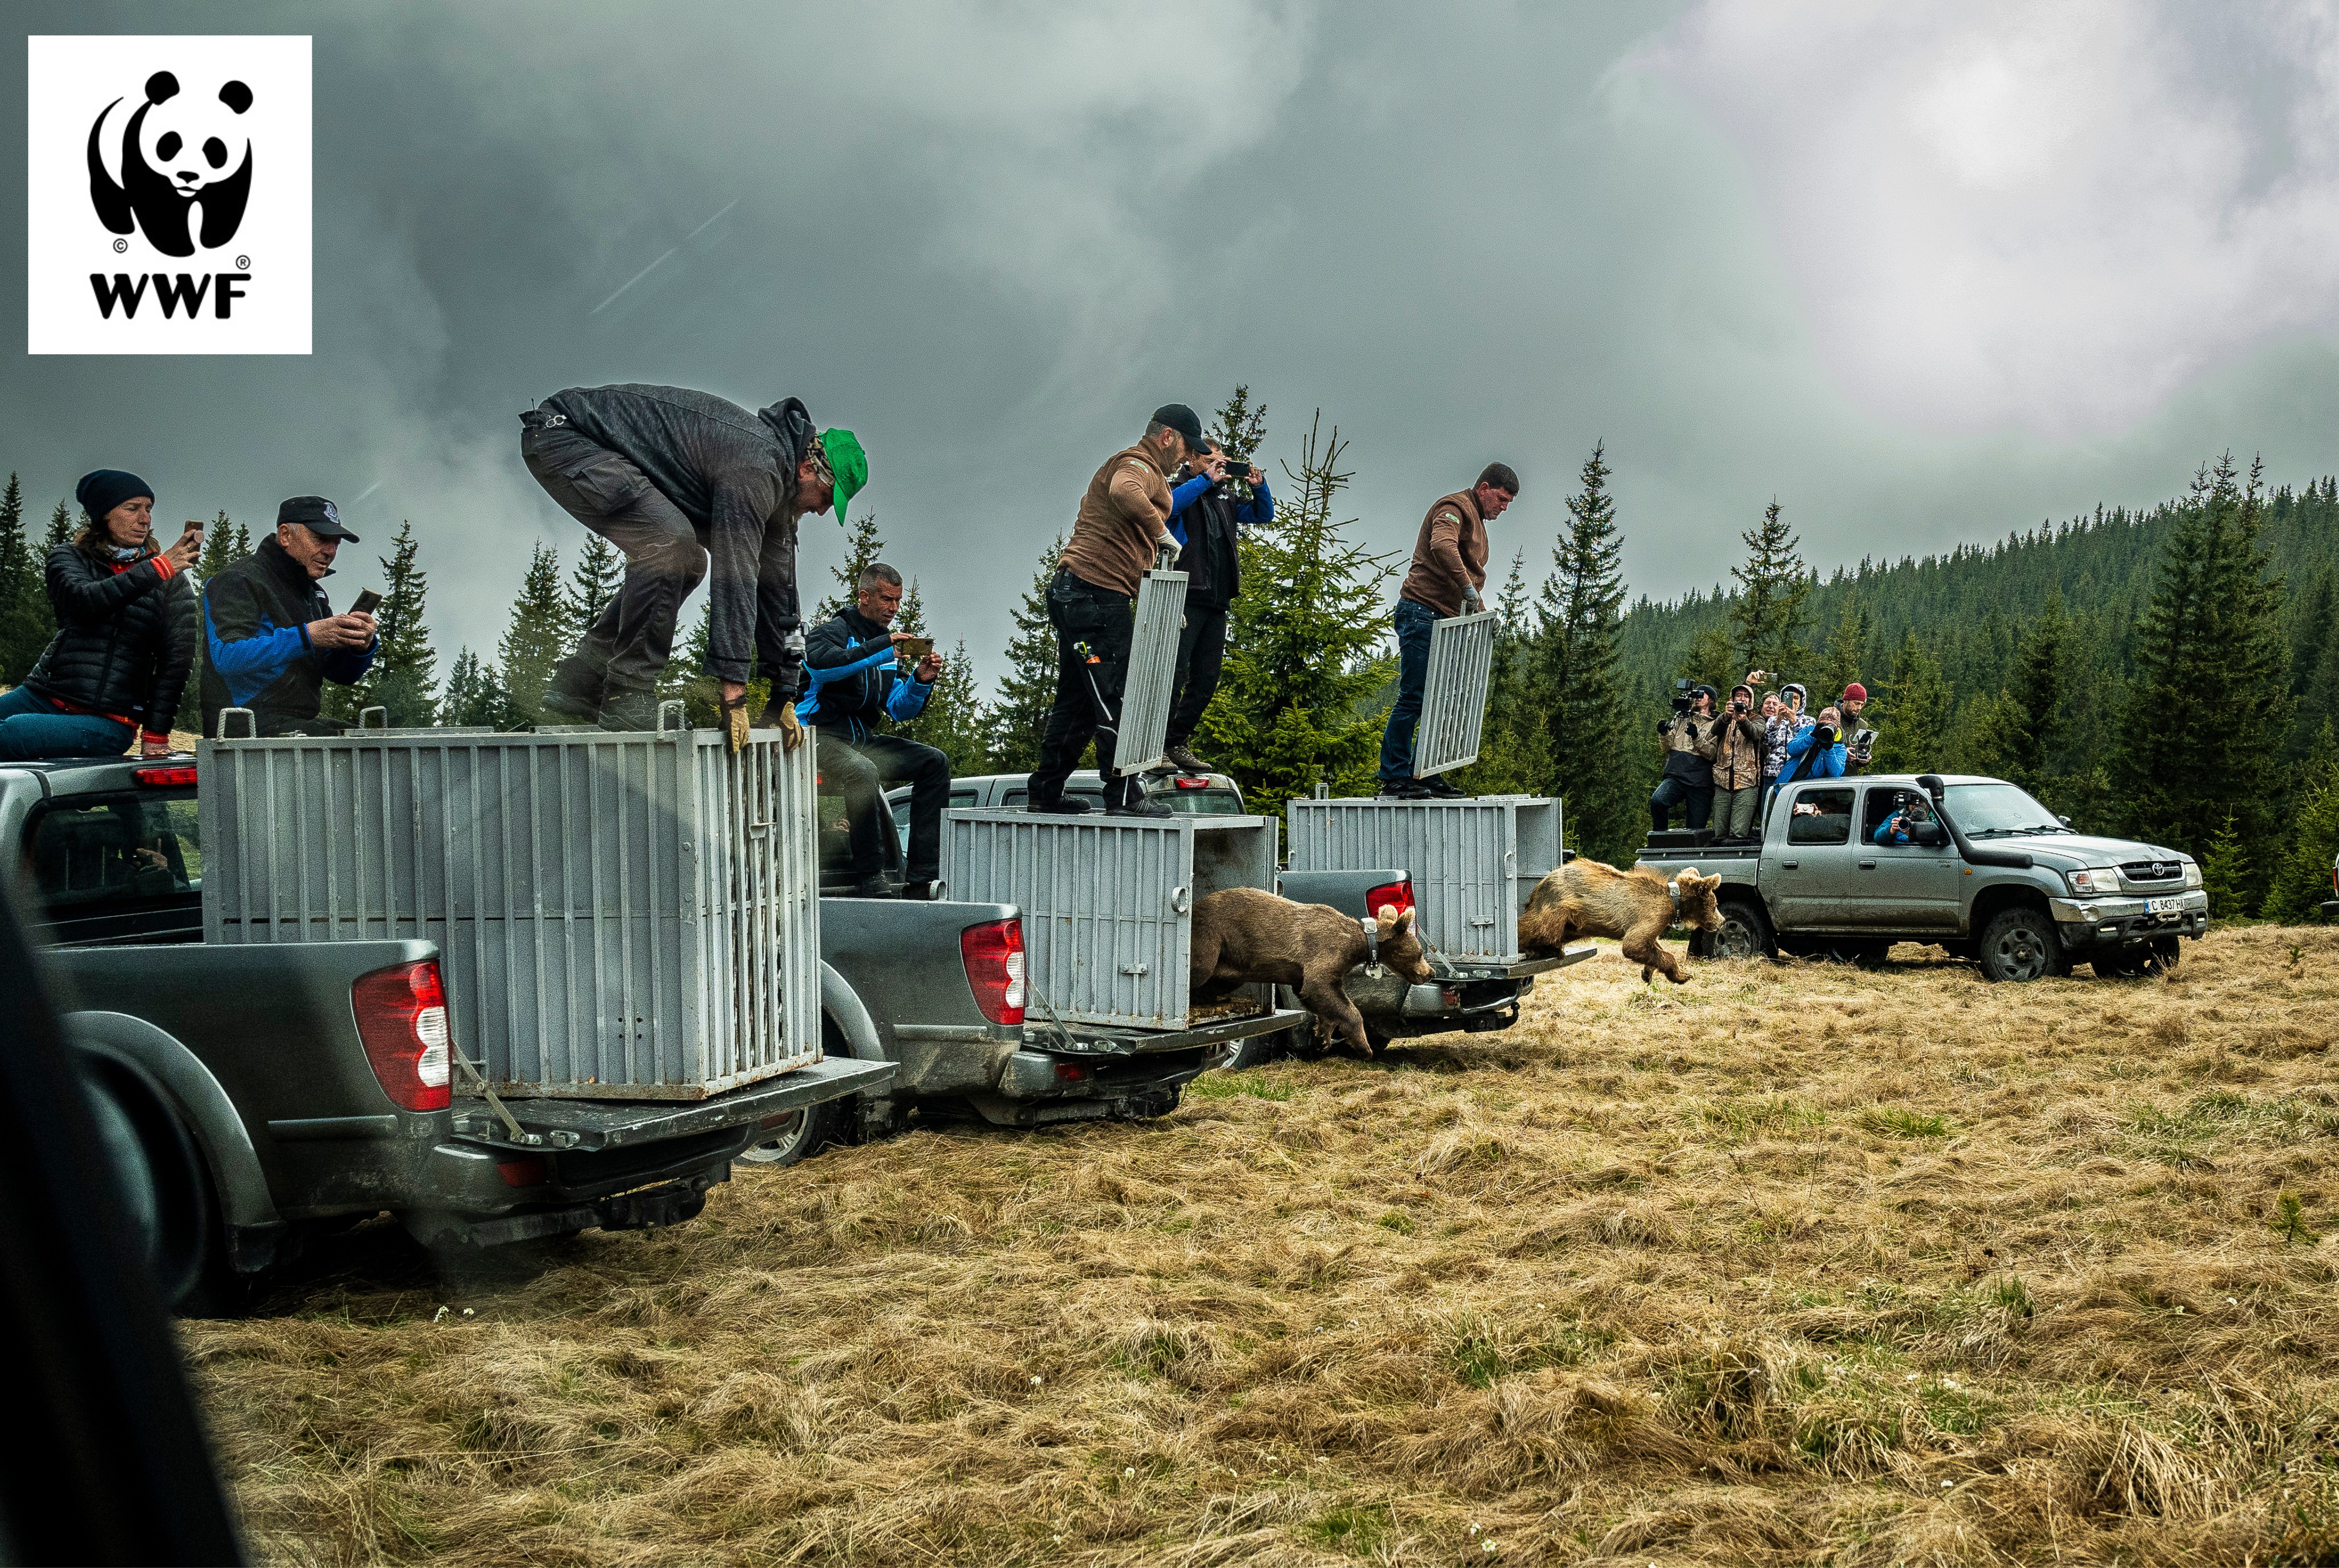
1180,418
317,515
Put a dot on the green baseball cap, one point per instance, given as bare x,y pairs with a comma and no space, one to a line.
848,463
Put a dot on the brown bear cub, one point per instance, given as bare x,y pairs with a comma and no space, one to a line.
1585,898
1245,934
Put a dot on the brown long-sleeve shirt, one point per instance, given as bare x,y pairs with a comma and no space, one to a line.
1449,554
1124,514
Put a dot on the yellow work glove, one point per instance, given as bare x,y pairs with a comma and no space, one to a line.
790,728
734,723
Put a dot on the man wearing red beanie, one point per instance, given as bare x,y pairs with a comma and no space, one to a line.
1858,738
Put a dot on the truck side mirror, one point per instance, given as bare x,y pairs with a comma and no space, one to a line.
1930,835
2064,820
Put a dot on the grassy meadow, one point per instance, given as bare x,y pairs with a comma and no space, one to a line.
1792,1264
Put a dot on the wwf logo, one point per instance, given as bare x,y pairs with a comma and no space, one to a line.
179,153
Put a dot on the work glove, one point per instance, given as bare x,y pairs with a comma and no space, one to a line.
790,728
1471,603
734,723
1165,555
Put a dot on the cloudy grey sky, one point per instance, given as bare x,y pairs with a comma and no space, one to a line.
1924,271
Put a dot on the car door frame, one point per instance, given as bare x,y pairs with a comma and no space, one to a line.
1809,882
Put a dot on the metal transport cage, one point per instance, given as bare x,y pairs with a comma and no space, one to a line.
1144,725
1474,862
1108,901
1453,696
627,916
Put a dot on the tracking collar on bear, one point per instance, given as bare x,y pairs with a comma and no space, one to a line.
1673,890
1372,945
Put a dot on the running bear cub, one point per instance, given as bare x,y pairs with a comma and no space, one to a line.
1246,934
1585,898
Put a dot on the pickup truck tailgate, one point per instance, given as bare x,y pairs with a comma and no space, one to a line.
592,1124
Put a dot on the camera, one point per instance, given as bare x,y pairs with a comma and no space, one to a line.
1862,746
1681,696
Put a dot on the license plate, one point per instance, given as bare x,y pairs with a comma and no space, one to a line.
2165,906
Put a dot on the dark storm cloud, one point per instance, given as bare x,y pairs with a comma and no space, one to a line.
992,238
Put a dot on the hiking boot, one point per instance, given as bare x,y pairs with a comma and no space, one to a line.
1136,804
1058,805
627,712
1402,789
1184,760
872,886
1437,788
574,694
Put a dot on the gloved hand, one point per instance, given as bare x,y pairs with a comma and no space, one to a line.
790,728
1165,555
1471,603
734,725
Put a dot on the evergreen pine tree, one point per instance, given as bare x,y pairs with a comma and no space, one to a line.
2034,691
537,636
1303,659
593,581
24,596
953,721
2208,709
701,695
2314,657
1240,429
475,694
62,528
1912,714
223,548
2302,874
1020,716
1845,658
1774,591
2226,872
405,667
1585,746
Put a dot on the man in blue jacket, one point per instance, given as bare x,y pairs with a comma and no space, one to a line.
271,638
856,684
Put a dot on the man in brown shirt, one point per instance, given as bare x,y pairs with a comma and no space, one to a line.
1121,529
1449,567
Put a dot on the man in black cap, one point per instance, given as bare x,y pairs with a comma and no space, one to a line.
271,638
1122,529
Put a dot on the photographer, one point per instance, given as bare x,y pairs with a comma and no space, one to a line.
1858,739
1898,828
858,680
1206,522
1691,737
1738,766
1815,752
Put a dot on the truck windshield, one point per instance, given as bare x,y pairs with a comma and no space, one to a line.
1998,810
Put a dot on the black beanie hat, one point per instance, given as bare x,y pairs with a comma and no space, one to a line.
104,489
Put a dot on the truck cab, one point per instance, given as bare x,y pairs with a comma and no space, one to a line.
1974,865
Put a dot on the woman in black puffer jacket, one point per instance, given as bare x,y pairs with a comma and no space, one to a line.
127,626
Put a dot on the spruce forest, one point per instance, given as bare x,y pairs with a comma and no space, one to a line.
2168,673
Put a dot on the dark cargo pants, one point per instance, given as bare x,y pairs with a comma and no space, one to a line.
1088,696
623,652
859,769
1201,654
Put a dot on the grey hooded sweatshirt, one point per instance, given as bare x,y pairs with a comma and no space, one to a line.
731,473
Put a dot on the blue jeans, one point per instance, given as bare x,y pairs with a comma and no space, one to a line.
31,728
1412,624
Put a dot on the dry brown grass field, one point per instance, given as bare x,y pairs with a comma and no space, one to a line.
1791,1264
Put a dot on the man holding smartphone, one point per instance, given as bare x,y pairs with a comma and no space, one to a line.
270,637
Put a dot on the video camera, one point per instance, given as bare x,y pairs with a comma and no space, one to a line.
1681,699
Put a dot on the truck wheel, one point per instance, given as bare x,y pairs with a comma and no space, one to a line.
2125,963
1257,1050
805,1133
2166,952
1745,932
2022,944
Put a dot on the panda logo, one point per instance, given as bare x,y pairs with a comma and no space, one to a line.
193,154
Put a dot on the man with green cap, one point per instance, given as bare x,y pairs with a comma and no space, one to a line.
687,485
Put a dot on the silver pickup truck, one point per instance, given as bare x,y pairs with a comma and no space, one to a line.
1993,876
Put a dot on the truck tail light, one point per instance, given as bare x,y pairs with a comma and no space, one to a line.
159,775
994,951
401,1014
1400,894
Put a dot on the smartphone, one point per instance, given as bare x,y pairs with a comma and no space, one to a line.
365,603
914,648
194,526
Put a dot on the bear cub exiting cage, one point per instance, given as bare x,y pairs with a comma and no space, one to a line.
1246,935
1585,898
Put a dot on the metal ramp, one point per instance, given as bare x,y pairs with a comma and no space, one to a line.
1153,673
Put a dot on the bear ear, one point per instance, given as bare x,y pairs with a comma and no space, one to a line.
160,86
236,96
1688,874
1386,914
1404,923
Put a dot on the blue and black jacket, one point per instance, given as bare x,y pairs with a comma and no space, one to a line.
854,679
256,648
